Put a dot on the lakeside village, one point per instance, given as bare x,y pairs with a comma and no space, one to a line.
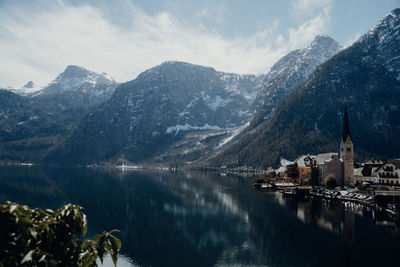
337,177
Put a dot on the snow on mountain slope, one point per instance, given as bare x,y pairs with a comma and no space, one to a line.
309,120
291,71
28,89
77,85
383,41
157,109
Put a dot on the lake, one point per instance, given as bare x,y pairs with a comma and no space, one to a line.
203,219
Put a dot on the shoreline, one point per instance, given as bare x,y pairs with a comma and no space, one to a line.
366,199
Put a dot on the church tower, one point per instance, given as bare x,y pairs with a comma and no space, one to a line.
347,151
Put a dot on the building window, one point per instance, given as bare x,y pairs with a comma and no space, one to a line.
348,149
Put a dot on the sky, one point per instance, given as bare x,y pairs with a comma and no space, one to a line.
39,38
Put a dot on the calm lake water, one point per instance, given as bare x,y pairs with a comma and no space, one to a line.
193,219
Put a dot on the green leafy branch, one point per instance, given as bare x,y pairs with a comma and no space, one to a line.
35,237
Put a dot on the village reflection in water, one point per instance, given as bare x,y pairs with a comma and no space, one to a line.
335,216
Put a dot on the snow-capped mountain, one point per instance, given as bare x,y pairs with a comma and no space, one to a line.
28,89
291,71
34,119
383,42
163,103
77,85
309,120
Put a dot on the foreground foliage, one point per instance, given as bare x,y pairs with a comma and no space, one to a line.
35,237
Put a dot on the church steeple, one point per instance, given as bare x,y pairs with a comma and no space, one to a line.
347,151
346,125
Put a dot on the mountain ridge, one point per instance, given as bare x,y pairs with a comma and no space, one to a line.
289,72
154,110
309,119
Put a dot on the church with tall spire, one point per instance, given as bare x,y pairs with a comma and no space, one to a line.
347,151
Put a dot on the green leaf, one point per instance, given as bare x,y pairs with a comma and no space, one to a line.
116,244
31,230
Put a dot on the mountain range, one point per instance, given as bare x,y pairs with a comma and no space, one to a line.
178,111
147,115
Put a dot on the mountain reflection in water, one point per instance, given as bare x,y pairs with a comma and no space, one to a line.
192,219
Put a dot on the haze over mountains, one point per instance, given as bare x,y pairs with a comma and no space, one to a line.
183,112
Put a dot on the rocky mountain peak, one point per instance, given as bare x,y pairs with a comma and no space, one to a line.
80,74
387,27
74,77
73,71
290,71
77,85
174,69
28,89
321,49
29,84
324,41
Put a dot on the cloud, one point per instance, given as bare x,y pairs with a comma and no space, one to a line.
38,42
309,8
215,14
313,17
301,36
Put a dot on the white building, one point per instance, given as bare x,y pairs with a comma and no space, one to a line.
389,173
